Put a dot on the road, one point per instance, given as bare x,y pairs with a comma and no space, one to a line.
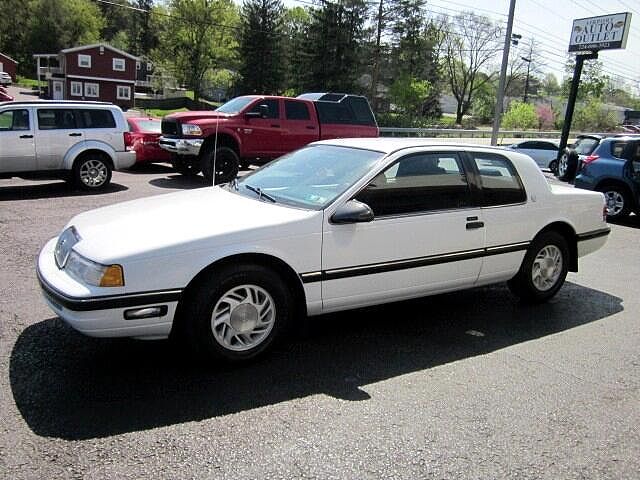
468,385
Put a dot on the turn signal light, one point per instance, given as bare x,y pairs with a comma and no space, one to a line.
112,277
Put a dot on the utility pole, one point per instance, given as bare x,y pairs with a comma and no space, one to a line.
503,74
526,83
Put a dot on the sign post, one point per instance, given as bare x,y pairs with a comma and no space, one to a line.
588,37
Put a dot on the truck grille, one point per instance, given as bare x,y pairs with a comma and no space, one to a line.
170,127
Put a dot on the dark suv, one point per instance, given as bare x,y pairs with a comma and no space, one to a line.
572,156
613,168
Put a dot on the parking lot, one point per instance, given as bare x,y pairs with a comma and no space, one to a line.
463,385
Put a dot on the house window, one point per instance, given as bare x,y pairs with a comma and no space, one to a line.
84,61
123,93
149,66
91,90
138,66
76,89
118,64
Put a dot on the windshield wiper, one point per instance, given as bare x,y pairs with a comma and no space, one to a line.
260,193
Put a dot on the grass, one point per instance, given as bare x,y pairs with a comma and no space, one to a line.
28,82
156,112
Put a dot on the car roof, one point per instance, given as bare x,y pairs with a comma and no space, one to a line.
544,140
389,144
53,103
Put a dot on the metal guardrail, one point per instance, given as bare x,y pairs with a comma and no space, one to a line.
460,133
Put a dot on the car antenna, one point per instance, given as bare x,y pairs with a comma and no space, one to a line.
215,153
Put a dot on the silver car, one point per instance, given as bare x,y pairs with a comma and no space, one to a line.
543,152
82,142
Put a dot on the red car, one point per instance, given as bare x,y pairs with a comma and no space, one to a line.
143,136
4,95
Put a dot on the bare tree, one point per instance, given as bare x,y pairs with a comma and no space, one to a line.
471,43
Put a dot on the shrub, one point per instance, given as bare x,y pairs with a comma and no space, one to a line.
594,116
546,117
520,116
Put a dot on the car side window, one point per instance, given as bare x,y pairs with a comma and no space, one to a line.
14,120
56,118
97,118
499,180
272,105
527,145
418,183
295,110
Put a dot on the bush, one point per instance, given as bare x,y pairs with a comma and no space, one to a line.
409,93
546,117
593,116
520,116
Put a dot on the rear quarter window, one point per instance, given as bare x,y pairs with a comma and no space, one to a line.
617,148
97,118
499,180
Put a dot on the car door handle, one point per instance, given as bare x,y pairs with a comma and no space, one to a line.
310,127
275,125
75,134
26,136
474,225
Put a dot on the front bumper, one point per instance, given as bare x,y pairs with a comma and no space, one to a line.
100,315
182,146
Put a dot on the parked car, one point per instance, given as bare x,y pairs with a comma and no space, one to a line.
573,155
256,129
78,141
336,225
5,78
143,138
613,168
543,152
4,95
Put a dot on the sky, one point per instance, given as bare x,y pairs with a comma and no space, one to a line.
549,23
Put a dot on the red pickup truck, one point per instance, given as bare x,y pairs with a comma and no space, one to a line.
256,129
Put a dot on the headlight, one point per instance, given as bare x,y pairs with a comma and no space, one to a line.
188,129
84,270
66,241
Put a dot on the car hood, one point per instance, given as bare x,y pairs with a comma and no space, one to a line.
184,221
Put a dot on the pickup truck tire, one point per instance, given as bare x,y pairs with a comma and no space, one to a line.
227,164
187,166
543,269
92,171
235,313
568,165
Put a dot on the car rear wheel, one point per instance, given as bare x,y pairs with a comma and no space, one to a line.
553,166
237,313
92,171
617,201
543,269
226,165
567,166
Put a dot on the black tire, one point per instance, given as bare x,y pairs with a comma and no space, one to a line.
189,167
618,200
530,284
211,295
568,165
227,164
92,171
245,164
553,166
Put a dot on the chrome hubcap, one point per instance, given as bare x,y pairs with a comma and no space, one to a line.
547,268
93,173
615,202
243,317
562,166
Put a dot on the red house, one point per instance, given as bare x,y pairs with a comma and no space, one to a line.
91,72
8,65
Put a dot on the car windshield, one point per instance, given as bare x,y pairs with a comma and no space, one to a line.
151,126
234,105
311,177
584,146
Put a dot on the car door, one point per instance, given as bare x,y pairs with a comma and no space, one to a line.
17,142
262,137
427,236
298,128
632,155
57,131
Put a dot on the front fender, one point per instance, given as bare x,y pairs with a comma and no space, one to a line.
81,147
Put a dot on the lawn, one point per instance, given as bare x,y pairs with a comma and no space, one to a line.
157,112
28,82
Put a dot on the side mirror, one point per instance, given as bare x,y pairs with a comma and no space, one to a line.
352,212
263,112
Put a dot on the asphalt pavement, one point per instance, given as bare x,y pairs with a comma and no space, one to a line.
467,385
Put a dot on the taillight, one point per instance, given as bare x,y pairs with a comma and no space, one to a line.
128,141
590,158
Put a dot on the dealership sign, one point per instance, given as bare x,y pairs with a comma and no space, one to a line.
605,32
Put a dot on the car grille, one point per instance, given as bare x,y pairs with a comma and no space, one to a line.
170,127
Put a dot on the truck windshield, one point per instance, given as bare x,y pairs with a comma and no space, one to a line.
311,177
234,105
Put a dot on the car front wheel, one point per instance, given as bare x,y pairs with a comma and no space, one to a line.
237,313
92,172
543,269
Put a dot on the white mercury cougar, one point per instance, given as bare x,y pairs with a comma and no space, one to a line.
336,225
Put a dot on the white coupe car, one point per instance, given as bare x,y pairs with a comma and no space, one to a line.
336,225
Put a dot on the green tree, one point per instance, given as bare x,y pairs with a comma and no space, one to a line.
261,47
202,36
594,116
14,33
592,81
520,116
333,51
295,27
408,94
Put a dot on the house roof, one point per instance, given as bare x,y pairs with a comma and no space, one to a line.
96,45
8,57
